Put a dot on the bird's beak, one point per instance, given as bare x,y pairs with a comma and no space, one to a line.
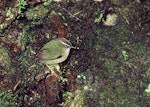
73,47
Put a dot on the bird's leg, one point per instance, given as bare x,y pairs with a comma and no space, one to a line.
52,71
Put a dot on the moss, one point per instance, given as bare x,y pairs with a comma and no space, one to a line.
4,58
36,13
8,99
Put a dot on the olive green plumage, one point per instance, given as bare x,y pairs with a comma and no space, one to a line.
55,51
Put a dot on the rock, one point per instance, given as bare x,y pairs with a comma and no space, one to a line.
111,19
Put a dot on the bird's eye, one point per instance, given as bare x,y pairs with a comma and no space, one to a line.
66,46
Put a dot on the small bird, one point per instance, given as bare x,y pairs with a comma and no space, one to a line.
55,51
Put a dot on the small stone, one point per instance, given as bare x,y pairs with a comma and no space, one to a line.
111,19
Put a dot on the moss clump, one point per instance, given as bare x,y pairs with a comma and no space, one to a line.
4,58
36,13
8,99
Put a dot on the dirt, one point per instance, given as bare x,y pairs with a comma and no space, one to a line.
111,68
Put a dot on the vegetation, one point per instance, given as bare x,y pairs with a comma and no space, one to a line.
8,99
99,19
68,95
21,5
111,67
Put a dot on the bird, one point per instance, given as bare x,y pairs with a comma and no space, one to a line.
55,51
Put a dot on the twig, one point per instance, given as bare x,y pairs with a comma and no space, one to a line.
72,15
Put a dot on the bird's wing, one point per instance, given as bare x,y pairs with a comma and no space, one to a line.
46,54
